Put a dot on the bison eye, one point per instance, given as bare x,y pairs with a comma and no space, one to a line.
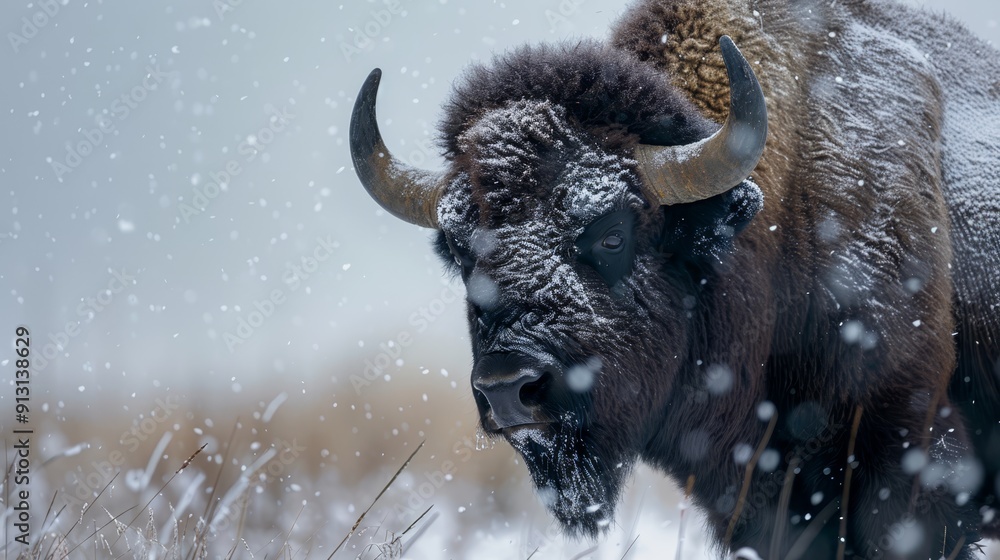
463,258
613,242
607,245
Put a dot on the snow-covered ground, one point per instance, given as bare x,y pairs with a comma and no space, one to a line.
300,468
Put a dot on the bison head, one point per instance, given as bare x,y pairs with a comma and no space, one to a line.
582,196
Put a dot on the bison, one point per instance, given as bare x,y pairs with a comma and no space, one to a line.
795,312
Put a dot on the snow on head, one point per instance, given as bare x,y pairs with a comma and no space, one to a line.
527,182
532,185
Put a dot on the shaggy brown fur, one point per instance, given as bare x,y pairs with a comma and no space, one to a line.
875,162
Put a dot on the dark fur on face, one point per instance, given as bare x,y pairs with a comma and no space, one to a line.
540,144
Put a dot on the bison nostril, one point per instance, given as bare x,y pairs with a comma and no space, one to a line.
511,389
533,393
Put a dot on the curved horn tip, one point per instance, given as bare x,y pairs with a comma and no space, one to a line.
734,60
726,43
746,96
404,191
678,175
369,89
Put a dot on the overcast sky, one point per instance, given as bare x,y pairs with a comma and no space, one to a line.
115,225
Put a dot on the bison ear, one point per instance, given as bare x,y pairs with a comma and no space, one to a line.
704,230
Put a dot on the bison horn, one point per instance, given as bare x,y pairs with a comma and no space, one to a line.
682,174
406,192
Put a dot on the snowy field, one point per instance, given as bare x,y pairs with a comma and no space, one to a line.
183,236
296,476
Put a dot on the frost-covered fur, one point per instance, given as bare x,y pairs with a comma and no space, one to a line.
531,183
882,177
870,275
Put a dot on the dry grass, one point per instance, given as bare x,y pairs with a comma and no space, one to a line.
269,473
132,533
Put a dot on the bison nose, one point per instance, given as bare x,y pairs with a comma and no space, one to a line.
509,390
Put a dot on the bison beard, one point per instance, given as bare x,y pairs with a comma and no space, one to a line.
578,478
